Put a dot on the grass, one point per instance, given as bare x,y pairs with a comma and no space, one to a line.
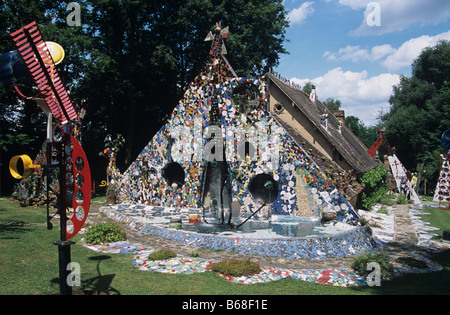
29,266
437,218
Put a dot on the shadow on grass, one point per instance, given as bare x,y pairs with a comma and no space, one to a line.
431,283
11,228
95,285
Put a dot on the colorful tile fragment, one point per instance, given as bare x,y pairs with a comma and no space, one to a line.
267,274
185,265
124,247
336,277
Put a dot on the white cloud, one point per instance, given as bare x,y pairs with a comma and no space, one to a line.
361,96
380,51
411,49
398,15
389,57
355,4
356,53
299,14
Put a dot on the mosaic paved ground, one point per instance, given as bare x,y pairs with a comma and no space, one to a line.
399,228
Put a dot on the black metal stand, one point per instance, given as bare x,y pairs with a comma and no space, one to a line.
64,261
265,204
64,256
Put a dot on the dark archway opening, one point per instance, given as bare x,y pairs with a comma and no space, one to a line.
263,188
173,173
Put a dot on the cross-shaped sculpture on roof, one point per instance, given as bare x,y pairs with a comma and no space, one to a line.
217,47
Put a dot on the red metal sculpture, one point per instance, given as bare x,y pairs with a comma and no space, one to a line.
377,144
36,56
79,184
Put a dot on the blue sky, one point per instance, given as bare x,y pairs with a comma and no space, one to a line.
356,50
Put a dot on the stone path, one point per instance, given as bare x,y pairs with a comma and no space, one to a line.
405,238
404,242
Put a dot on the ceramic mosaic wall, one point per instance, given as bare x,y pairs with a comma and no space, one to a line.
254,144
353,242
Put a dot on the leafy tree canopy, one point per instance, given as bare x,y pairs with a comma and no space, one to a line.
131,61
332,104
420,108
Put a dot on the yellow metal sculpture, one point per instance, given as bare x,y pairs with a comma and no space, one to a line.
28,166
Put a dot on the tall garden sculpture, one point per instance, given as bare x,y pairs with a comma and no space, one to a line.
64,166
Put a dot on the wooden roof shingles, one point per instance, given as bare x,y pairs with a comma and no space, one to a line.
345,142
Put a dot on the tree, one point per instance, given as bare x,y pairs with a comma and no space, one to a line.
419,112
332,104
307,88
146,53
366,134
257,33
131,62
22,122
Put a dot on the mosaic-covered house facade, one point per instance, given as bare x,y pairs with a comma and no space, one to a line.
170,171
322,133
325,130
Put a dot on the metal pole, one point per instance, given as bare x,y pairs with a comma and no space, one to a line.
49,165
264,204
64,261
63,244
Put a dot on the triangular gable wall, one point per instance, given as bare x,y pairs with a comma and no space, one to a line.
401,179
441,193
303,189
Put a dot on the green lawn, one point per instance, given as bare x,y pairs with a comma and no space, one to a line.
437,218
29,265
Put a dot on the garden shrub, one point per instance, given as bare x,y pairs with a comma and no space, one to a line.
383,210
389,200
104,233
363,221
374,186
236,268
162,254
360,262
402,200
194,253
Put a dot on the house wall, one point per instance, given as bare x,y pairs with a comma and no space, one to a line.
294,117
